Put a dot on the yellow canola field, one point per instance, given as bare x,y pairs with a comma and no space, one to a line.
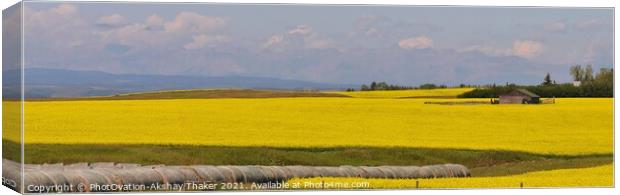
601,176
417,93
571,126
11,120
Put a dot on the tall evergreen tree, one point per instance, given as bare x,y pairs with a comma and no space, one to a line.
547,81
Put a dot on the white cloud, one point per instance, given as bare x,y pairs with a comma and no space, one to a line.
202,40
526,49
302,36
154,22
112,20
586,24
156,32
487,50
153,43
61,24
367,25
11,37
421,42
558,26
63,14
318,43
303,30
521,48
274,40
78,42
194,22
64,9
129,34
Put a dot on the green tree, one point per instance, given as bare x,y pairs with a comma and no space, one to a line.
588,74
428,86
364,88
547,81
576,72
605,75
381,86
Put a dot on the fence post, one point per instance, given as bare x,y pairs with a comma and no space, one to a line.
417,184
521,185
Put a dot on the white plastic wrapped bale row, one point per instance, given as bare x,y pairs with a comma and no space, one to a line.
132,174
11,174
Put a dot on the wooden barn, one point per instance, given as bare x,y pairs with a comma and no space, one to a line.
519,96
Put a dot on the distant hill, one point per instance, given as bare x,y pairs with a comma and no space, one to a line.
204,94
45,83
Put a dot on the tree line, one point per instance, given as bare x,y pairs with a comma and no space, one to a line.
586,84
383,86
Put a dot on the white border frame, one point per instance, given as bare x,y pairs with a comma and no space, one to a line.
524,3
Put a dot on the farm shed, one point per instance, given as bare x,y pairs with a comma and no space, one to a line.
519,96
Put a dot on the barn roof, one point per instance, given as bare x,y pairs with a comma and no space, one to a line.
526,92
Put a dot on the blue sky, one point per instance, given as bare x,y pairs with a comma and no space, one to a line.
336,44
